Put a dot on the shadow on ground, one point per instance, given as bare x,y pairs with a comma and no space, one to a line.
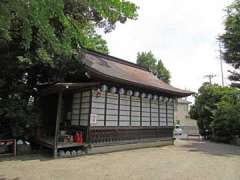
4,178
212,148
28,157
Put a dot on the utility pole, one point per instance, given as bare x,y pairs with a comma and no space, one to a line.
221,62
210,77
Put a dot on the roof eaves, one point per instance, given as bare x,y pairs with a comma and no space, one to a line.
170,92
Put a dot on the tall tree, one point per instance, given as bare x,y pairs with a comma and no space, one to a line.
40,42
148,61
214,110
231,38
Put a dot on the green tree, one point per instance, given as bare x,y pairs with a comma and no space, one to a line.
148,61
226,118
210,109
231,38
41,40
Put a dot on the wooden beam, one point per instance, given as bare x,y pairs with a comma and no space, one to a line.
118,123
105,109
166,114
150,102
159,114
58,119
140,111
130,118
89,118
80,107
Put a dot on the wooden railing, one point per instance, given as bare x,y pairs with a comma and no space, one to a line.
117,134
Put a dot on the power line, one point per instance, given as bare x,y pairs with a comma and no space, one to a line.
210,77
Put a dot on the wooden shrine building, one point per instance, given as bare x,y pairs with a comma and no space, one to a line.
117,103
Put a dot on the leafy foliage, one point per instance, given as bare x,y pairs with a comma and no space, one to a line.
216,109
148,61
40,42
231,38
226,123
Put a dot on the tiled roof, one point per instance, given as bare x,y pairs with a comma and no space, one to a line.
123,71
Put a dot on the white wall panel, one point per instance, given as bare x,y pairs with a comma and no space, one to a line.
84,111
98,111
98,105
154,119
75,111
146,114
98,99
154,110
124,123
154,123
124,118
100,117
111,123
124,107
112,101
146,109
134,108
146,123
83,122
99,123
134,123
86,93
136,119
112,106
134,113
112,112
125,113
76,95
163,123
75,116
147,119
170,123
84,117
111,118
74,122
125,102
85,105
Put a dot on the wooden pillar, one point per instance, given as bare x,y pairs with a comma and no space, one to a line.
88,138
105,109
141,111
58,119
150,102
166,113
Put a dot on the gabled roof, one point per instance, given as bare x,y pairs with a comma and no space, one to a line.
121,71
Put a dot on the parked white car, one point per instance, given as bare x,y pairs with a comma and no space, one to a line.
178,130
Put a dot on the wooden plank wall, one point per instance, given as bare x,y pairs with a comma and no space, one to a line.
111,109
81,108
146,112
154,113
135,111
98,108
122,110
170,114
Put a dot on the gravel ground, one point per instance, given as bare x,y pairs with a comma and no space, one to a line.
186,160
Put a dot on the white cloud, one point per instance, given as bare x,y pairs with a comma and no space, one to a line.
182,33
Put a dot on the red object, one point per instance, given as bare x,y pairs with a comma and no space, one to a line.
78,138
13,142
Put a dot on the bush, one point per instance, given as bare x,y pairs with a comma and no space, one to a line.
217,110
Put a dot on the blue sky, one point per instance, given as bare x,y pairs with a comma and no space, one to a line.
181,33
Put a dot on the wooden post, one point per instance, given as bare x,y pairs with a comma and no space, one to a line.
58,119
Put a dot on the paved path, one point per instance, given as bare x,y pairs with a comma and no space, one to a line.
187,160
